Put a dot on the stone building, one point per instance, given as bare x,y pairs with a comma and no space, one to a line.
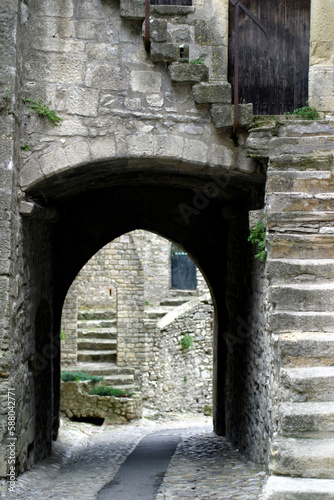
149,140
123,310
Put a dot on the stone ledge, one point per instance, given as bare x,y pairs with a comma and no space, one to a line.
222,115
172,10
76,401
209,93
188,73
133,9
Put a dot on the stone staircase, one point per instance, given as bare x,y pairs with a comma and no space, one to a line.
300,267
176,298
97,349
192,54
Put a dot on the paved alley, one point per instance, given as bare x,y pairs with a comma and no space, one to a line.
87,457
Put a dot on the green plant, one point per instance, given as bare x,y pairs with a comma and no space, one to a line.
25,147
110,391
6,101
62,334
199,60
77,376
185,380
42,110
186,342
146,303
306,112
258,237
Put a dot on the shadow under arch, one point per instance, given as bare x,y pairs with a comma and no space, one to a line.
211,231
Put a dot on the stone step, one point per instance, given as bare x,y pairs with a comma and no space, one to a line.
95,314
101,333
291,246
304,145
302,297
182,72
310,384
288,488
287,271
300,181
119,379
93,323
313,458
108,355
307,420
304,128
103,368
306,350
289,321
287,202
317,161
97,344
157,313
174,301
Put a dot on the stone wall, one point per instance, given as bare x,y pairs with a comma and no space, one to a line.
77,402
177,379
249,349
154,253
69,318
321,74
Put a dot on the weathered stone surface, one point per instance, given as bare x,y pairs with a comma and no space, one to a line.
207,93
158,30
133,9
295,321
83,102
315,419
145,81
309,383
222,115
192,73
303,457
169,52
102,149
286,488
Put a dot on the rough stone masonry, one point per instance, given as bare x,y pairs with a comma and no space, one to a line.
145,143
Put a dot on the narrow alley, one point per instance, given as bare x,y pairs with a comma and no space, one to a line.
87,457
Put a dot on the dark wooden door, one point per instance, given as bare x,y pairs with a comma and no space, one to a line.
183,270
171,2
275,82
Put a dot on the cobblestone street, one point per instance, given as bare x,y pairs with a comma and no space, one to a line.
86,457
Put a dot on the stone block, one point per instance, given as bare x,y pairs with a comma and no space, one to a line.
158,30
169,52
222,115
188,73
55,68
321,88
171,10
133,9
140,146
195,151
220,156
41,8
83,102
30,175
146,81
286,488
168,146
106,76
208,93
77,153
55,160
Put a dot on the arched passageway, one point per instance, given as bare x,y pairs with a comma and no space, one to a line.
205,215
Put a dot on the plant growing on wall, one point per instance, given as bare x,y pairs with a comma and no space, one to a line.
186,342
6,101
77,376
306,112
110,391
42,109
258,237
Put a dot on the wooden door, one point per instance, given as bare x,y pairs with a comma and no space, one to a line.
275,82
171,2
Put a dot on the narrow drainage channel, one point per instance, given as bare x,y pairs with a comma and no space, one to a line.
142,473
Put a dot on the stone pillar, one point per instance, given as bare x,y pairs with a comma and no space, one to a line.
321,74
